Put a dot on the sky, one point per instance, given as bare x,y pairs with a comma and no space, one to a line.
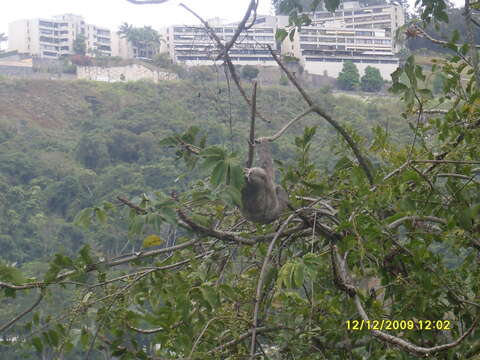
112,13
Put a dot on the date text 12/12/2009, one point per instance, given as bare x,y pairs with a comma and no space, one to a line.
390,325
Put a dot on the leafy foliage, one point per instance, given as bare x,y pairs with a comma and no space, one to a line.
249,72
349,77
372,80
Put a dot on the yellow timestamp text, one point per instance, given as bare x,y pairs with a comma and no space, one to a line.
389,325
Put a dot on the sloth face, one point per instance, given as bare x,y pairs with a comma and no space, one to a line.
255,175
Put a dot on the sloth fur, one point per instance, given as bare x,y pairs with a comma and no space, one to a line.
262,200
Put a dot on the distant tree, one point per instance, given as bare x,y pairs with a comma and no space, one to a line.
249,72
146,41
162,60
80,45
81,60
372,81
438,83
349,78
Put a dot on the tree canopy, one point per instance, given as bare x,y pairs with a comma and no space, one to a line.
372,80
349,77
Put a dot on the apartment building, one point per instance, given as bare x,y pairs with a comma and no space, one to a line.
363,35
353,16
191,45
54,38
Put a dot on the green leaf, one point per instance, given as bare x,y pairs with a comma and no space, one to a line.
101,215
237,178
37,343
84,217
281,34
152,240
54,337
232,196
291,35
219,174
210,295
169,141
298,275
332,5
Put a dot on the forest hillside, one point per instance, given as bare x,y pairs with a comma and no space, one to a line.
68,145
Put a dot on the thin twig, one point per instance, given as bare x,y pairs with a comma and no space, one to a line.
447,162
400,221
227,58
285,128
261,277
22,314
408,346
241,27
251,141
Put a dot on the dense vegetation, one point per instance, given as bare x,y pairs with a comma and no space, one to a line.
69,145
65,146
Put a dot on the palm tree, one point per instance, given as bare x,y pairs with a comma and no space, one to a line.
3,38
124,30
145,40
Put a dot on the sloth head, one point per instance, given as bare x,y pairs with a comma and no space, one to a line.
256,176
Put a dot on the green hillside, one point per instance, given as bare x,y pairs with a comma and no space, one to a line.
69,145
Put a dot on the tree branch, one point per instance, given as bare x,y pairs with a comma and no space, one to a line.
408,346
23,313
362,162
447,162
251,141
285,128
245,336
400,221
92,267
423,33
261,277
213,233
228,60
241,27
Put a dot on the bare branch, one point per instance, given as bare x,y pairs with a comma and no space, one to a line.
23,313
285,128
226,236
447,162
227,59
423,33
111,263
245,336
408,346
261,277
241,27
362,162
435,111
131,205
400,221
251,141
459,176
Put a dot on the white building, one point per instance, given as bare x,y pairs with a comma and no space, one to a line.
191,45
363,35
54,38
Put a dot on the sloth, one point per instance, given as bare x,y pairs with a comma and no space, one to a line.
262,200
